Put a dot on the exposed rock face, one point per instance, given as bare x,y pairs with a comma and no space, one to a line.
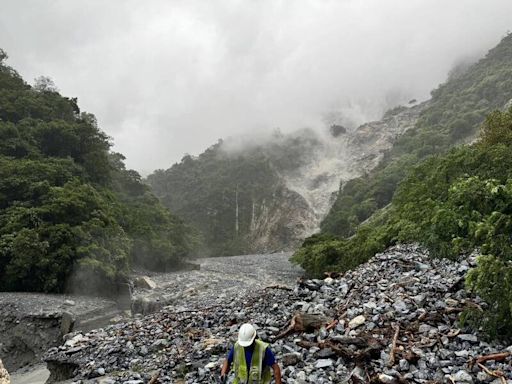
343,158
370,141
396,322
281,222
4,375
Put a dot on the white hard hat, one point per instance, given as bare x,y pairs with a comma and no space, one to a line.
246,335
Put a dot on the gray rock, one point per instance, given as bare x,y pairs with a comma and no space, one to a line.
291,359
324,363
463,376
468,337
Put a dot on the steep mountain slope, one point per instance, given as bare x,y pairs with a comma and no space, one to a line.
247,197
71,216
455,111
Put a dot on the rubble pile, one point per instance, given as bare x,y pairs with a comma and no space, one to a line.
392,320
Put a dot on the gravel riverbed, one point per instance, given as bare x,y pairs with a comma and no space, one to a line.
392,320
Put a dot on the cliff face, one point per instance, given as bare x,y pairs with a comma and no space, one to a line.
347,156
251,198
371,140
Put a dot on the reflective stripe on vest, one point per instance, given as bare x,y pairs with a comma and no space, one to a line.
255,374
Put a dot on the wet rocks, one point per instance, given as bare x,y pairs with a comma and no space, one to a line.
392,320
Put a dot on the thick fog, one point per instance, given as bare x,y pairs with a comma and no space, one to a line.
166,77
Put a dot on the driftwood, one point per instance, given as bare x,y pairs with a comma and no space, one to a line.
371,351
494,356
497,374
331,325
304,322
391,361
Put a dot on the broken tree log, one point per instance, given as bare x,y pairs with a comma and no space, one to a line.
304,322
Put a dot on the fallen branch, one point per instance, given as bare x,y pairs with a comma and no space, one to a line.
391,361
497,374
494,356
338,350
302,322
331,325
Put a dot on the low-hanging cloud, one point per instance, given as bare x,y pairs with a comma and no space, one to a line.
166,77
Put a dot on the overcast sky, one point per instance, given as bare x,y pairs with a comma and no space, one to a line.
170,77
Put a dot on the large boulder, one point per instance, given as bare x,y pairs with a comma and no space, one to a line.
144,282
4,375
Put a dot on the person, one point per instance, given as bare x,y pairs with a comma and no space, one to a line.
252,360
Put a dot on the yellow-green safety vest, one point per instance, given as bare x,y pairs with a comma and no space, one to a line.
257,374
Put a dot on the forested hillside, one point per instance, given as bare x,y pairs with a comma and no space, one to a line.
452,202
237,198
453,115
72,218
269,194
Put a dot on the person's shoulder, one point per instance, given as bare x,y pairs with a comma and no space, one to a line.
269,350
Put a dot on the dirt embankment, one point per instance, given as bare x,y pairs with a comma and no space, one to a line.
32,323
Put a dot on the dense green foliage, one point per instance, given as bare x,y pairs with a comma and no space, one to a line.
209,190
455,112
452,204
71,216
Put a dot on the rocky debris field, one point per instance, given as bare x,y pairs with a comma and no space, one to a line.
392,320
219,279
